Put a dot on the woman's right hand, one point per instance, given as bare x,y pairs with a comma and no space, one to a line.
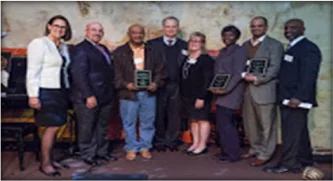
34,102
217,91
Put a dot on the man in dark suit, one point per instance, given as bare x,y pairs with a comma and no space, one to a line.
92,94
297,85
168,119
134,101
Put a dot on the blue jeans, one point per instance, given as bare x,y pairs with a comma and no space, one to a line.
145,108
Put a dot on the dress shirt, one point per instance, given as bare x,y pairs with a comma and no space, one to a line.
166,40
138,56
259,40
292,43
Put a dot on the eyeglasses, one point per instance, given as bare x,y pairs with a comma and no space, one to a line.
195,41
58,26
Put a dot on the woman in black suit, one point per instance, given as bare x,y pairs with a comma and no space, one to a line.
197,73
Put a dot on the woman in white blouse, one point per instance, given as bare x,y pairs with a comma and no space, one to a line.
47,85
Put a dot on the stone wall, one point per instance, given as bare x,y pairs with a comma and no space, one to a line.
26,20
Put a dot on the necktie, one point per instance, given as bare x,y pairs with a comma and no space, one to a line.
170,42
104,53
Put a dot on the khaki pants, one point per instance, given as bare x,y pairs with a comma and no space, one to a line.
260,125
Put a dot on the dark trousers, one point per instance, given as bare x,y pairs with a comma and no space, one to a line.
92,129
168,119
296,146
227,132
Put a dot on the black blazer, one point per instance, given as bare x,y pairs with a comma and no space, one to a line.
91,74
199,78
158,45
298,78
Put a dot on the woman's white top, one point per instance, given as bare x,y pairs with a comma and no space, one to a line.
44,65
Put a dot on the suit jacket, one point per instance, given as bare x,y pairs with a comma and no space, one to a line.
91,74
125,68
264,90
158,45
44,65
298,78
231,61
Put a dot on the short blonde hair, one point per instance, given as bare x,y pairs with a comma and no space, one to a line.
203,40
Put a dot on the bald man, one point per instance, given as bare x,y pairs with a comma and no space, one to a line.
92,93
137,102
297,84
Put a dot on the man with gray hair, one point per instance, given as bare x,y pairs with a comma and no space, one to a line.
168,118
92,93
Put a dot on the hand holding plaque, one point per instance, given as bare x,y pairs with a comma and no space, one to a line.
142,79
258,66
220,82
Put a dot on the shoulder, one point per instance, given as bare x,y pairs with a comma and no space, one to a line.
246,42
37,42
79,47
274,41
206,58
182,42
310,44
119,49
240,49
155,40
82,44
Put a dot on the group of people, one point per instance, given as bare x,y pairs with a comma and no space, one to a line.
92,79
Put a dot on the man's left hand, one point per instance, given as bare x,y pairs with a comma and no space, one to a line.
294,103
152,87
250,78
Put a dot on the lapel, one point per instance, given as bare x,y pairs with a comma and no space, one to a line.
160,47
53,47
297,44
147,50
263,47
180,57
95,51
128,54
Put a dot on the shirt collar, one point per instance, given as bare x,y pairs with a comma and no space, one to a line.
259,40
165,39
292,43
135,48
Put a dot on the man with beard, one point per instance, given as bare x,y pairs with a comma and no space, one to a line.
134,101
92,94
297,85
259,108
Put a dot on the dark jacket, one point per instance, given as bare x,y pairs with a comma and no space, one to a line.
158,45
298,78
125,68
199,78
231,61
91,74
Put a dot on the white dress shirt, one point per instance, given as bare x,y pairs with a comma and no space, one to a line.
256,42
292,43
44,65
166,40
